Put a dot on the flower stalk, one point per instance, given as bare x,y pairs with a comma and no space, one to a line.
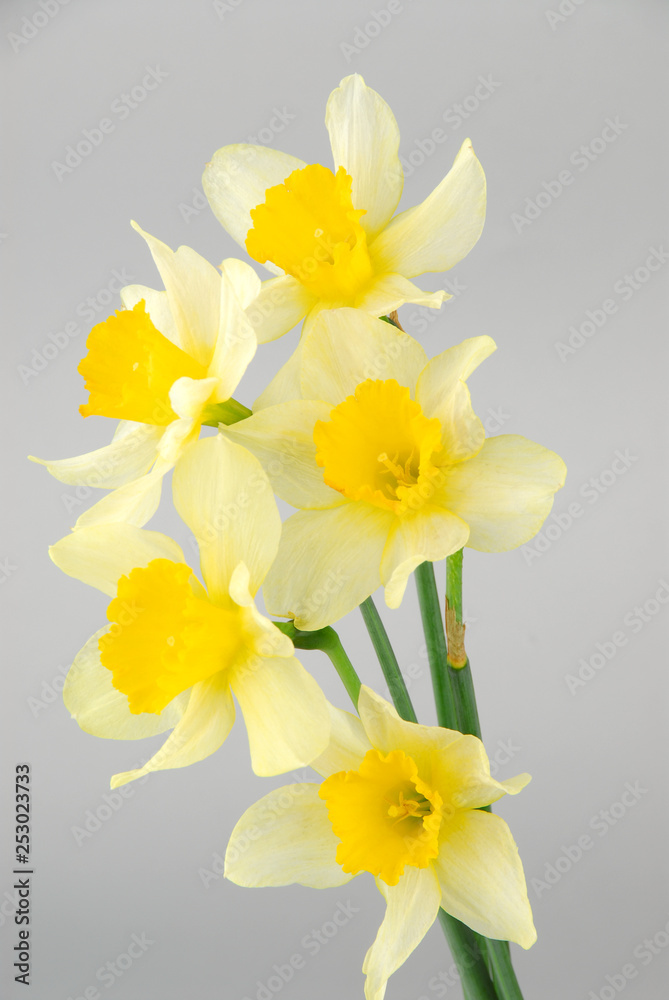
327,640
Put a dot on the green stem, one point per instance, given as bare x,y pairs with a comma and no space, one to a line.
471,964
505,977
435,639
329,642
460,675
229,412
388,660
474,975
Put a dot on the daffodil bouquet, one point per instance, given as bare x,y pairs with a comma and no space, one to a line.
381,453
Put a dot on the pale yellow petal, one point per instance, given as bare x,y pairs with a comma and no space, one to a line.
193,292
412,907
481,877
236,181
130,454
347,746
178,435
426,535
282,439
365,140
387,731
285,386
327,564
280,306
225,498
101,710
236,342
135,503
440,231
157,306
344,347
204,726
101,554
505,493
387,292
443,393
461,774
285,837
285,712
242,279
188,396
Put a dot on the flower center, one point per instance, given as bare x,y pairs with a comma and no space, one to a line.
308,227
378,446
163,638
385,816
131,367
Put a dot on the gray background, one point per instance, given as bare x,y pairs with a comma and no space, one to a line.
533,616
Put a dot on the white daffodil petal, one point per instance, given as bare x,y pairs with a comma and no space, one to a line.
236,181
481,877
426,535
235,345
157,306
204,726
327,564
243,280
188,396
193,292
285,837
365,140
344,347
131,453
285,712
135,503
387,731
101,710
504,493
225,498
411,908
280,306
101,554
387,292
282,439
442,393
436,234
347,746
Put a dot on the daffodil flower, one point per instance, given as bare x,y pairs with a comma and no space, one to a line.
390,467
331,237
403,802
162,365
176,651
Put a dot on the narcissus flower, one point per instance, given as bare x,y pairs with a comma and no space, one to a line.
403,802
331,236
390,467
175,652
161,366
